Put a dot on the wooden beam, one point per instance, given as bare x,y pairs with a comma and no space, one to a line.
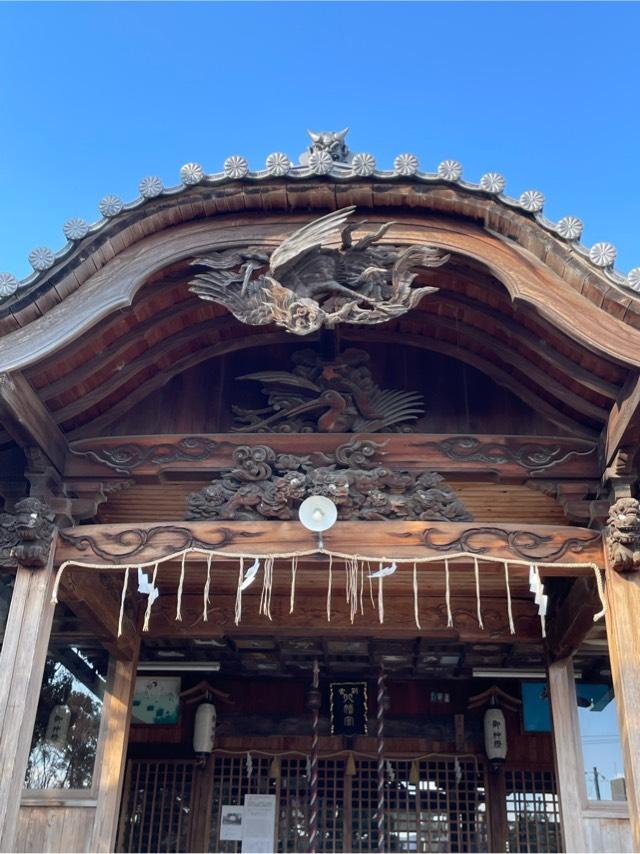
28,421
22,661
112,751
568,752
105,545
526,278
479,347
509,457
623,618
623,426
98,609
309,618
568,626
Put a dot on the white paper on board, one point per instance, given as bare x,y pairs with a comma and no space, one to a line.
231,822
259,824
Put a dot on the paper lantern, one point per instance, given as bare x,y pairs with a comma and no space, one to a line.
204,730
495,736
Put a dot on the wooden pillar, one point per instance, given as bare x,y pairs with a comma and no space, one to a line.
623,634
202,805
568,753
22,661
497,813
112,751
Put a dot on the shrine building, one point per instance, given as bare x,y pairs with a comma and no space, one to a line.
319,529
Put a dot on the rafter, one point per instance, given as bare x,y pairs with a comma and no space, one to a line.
28,421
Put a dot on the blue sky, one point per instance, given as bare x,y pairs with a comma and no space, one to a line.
95,96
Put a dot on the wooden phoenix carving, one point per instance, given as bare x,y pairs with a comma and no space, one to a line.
328,396
623,535
307,283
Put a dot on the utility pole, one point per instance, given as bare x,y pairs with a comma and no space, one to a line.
596,782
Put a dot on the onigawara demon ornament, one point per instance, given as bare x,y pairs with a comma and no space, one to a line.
308,283
623,535
330,141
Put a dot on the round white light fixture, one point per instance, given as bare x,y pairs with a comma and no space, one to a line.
318,513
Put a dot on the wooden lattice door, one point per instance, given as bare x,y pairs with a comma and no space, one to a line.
432,804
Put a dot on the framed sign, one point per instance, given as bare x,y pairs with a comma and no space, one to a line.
348,705
156,700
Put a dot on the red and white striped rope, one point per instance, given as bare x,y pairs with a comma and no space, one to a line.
380,737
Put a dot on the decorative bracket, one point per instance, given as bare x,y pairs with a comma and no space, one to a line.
622,536
26,534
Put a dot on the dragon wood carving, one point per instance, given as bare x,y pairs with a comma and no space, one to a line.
343,388
623,535
267,485
306,283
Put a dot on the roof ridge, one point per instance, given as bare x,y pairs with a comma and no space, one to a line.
320,163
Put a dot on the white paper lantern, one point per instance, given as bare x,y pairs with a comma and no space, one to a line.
495,736
204,730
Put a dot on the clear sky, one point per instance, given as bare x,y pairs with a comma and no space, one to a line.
96,96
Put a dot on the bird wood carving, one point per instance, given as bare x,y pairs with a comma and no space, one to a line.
307,283
340,396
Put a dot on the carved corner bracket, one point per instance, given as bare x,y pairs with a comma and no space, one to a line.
622,535
26,535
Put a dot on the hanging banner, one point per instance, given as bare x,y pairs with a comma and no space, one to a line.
348,703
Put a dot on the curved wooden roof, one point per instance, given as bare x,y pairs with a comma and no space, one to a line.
114,319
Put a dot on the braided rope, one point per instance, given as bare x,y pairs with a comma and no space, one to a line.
380,737
313,781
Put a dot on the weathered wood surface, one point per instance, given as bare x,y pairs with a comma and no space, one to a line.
22,662
309,618
488,502
525,277
569,763
623,618
586,825
134,544
623,426
28,421
510,457
98,607
55,828
112,751
568,626
466,319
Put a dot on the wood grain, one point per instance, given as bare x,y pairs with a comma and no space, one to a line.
28,421
119,544
622,618
514,457
22,661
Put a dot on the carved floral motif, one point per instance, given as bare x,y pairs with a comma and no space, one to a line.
267,485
